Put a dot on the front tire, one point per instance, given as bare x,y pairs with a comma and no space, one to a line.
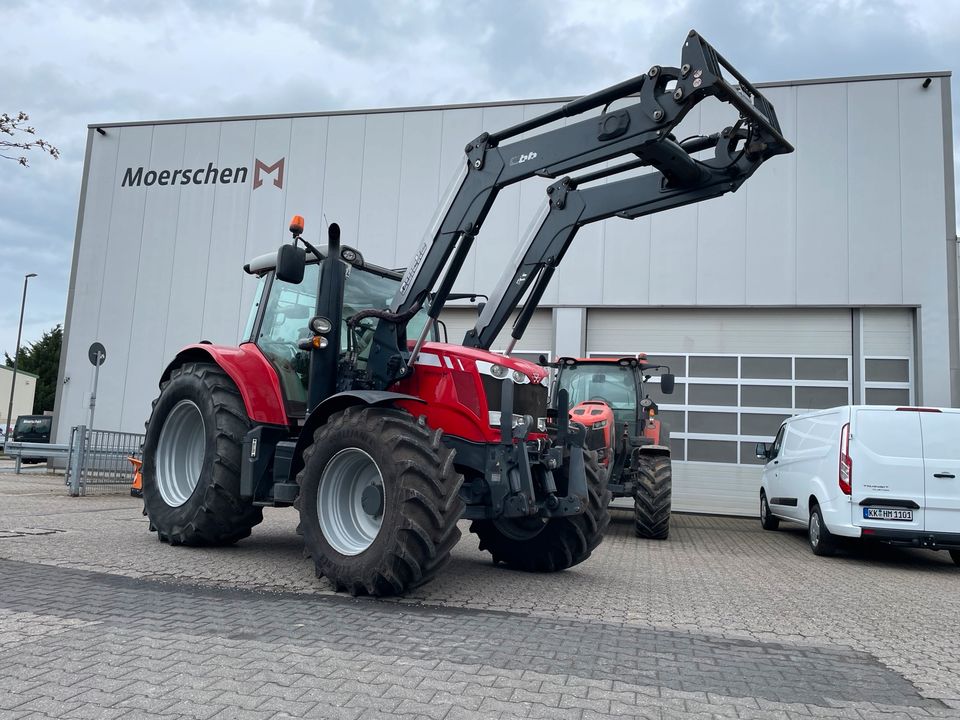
379,501
536,545
191,460
652,498
767,519
822,543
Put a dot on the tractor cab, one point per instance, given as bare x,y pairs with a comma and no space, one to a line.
608,397
284,325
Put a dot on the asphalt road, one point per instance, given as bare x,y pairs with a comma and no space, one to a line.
98,619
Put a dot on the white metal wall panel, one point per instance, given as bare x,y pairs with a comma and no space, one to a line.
119,279
153,275
771,226
380,184
822,263
420,181
874,194
343,180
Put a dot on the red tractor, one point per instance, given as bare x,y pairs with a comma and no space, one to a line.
341,401
608,397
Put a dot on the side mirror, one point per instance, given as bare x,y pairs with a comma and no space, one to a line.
666,383
763,451
291,262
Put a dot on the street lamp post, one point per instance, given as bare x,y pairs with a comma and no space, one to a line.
16,355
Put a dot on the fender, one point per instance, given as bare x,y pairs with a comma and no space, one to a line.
252,373
334,404
657,450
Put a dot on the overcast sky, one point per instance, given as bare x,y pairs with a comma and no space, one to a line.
69,64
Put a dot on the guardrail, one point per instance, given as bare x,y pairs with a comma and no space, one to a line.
92,457
20,450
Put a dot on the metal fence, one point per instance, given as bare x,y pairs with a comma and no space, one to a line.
101,457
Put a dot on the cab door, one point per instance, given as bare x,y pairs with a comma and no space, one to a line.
772,476
941,462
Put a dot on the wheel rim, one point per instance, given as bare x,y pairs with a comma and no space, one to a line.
520,528
763,508
814,530
180,452
351,501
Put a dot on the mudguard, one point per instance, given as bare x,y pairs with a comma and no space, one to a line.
334,404
252,373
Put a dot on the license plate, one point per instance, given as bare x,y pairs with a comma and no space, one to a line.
887,514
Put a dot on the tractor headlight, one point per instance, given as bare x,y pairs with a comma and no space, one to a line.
498,371
519,377
495,416
319,325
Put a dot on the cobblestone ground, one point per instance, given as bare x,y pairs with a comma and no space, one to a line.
99,619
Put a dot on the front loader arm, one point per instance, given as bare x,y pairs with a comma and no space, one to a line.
666,95
680,180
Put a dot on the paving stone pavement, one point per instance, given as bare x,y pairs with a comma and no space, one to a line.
722,620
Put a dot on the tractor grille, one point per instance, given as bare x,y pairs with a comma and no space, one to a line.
528,399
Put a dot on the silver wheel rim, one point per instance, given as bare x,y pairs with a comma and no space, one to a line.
763,508
814,530
180,451
344,522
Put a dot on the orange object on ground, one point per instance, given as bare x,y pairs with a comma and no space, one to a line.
136,489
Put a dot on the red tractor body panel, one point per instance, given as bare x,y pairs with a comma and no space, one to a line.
254,376
448,379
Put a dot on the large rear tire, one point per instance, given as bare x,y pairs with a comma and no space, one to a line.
379,501
652,498
537,545
191,460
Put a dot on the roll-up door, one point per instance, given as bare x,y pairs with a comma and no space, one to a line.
740,373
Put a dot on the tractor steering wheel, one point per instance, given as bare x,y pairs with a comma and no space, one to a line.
597,398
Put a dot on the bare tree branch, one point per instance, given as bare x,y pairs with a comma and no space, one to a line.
12,125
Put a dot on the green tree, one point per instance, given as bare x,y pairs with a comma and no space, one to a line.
42,358
15,127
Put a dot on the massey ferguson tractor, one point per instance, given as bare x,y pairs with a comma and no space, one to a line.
608,397
341,401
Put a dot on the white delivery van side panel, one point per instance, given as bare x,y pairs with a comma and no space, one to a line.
887,466
810,469
941,453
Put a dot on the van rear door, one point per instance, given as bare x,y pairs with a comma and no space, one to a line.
941,453
887,469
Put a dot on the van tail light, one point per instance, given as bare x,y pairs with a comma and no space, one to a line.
846,463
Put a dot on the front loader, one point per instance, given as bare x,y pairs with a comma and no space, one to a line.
342,402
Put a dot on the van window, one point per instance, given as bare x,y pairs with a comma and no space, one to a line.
777,443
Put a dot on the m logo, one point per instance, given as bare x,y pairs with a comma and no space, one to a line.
260,167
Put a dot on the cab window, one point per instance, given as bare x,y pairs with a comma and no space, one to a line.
777,443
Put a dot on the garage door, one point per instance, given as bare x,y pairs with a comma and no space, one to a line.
739,374
536,340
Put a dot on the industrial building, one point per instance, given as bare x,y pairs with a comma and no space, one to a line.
830,277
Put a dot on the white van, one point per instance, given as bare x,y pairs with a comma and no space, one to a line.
884,473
